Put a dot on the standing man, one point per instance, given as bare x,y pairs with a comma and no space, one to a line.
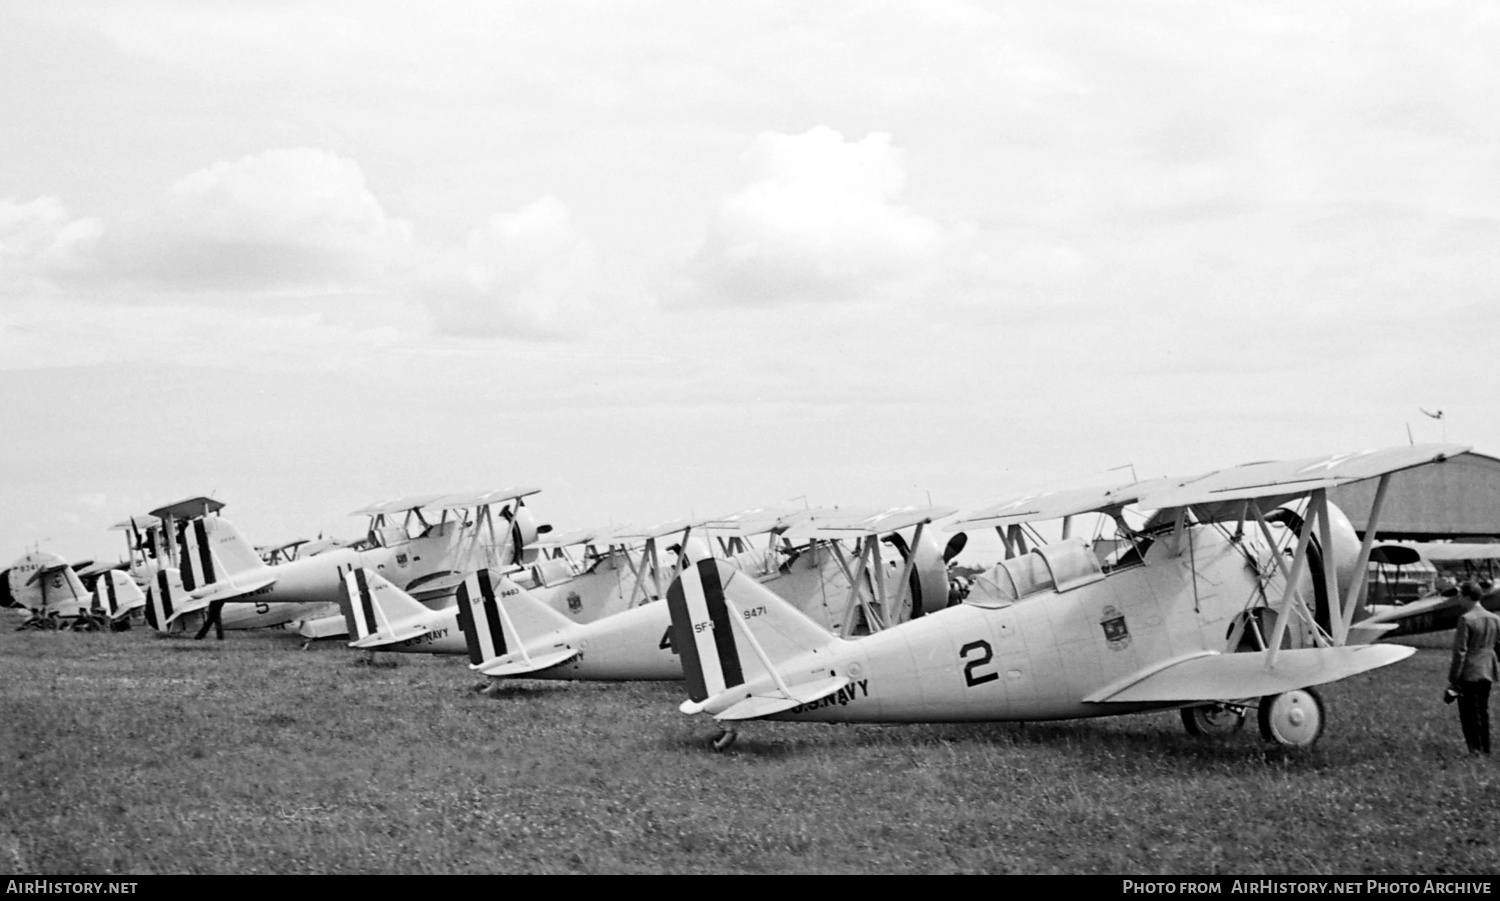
1474,667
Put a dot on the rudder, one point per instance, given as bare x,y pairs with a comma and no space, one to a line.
728,629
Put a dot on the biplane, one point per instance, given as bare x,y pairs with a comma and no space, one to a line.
116,597
1197,609
203,562
506,631
49,589
634,570
510,633
621,570
1404,605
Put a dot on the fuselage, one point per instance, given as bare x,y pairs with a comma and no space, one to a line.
319,579
629,646
1037,657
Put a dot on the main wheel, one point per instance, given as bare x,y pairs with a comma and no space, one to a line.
1212,720
1292,719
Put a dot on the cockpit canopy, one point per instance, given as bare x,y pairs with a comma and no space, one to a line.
1063,566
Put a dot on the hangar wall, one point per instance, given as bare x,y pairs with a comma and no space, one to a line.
1457,499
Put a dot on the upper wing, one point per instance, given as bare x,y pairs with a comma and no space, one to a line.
759,520
1438,550
468,499
1057,504
190,508
846,524
397,505
1288,479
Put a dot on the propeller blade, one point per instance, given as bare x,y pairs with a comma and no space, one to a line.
955,546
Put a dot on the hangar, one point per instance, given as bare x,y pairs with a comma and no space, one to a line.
1458,500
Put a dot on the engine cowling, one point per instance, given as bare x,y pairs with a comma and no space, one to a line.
523,531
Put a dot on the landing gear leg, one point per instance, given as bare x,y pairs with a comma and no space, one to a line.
1212,720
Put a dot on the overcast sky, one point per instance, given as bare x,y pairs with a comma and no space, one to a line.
662,259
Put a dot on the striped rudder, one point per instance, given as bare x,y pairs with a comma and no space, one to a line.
161,600
479,617
358,605
730,630
104,596
703,632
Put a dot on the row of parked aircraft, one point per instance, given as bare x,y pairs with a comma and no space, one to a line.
1219,594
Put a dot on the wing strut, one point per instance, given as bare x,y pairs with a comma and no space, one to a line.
1361,568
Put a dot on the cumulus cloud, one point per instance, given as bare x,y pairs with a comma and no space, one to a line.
530,273
818,219
296,221
39,242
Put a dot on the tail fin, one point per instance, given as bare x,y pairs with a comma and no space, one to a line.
375,609
211,550
733,632
44,583
162,598
116,594
499,619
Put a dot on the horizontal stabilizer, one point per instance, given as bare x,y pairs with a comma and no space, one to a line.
518,665
436,587
766,704
324,627
1207,676
221,591
382,639
186,605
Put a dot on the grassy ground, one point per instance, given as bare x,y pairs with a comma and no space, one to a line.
130,753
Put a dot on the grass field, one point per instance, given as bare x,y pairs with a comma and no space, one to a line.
131,753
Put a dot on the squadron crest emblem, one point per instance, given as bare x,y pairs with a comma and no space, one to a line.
1115,630
575,603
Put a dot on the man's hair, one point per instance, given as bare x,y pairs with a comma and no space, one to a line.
1469,590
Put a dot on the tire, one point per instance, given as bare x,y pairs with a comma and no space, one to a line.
1292,719
1212,720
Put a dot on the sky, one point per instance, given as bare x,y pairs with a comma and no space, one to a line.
669,259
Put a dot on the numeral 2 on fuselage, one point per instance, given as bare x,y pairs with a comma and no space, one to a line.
985,655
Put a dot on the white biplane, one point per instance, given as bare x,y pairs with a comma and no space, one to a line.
1435,606
621,571
48,588
1200,611
205,563
607,606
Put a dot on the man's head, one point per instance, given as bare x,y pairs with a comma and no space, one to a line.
1468,594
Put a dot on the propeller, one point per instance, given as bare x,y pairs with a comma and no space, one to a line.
955,546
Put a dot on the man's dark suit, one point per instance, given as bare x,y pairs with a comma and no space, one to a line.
1473,670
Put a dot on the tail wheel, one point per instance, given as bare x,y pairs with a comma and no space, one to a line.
724,739
1212,720
1292,719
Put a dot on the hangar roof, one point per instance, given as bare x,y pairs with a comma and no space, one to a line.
1456,499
